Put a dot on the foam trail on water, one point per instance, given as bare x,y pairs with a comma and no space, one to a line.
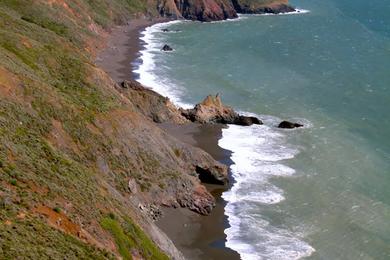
256,153
297,11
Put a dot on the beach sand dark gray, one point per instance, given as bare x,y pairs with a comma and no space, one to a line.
199,237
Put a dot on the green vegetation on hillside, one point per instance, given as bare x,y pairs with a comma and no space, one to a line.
50,96
128,236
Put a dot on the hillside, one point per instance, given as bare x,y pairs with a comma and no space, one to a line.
83,168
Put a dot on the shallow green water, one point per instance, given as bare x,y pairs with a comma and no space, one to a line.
327,186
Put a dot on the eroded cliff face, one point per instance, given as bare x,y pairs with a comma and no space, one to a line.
262,6
212,10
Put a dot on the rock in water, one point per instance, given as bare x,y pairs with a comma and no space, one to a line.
211,110
248,120
289,125
166,47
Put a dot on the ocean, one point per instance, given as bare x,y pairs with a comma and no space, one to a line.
321,191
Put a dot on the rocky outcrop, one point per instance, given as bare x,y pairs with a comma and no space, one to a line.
200,201
262,6
160,109
289,125
214,10
207,175
201,10
151,104
206,10
181,164
211,110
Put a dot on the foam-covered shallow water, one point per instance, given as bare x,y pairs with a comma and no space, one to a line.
258,153
322,191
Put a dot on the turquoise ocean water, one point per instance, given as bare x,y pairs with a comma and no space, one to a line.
323,191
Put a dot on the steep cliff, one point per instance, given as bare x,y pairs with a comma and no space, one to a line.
212,10
262,6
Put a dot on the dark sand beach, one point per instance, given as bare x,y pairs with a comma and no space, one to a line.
198,237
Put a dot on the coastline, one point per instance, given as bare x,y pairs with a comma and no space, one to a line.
123,48
194,235
197,236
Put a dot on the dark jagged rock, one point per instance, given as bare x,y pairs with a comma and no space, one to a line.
166,47
160,109
165,30
248,120
211,110
201,201
289,125
207,175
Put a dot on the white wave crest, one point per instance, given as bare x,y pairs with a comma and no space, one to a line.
256,153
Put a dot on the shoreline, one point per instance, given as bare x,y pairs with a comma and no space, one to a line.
196,236
123,48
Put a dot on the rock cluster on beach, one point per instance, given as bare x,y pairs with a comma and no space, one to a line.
214,10
160,109
211,110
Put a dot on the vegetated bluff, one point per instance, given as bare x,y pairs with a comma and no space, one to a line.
78,158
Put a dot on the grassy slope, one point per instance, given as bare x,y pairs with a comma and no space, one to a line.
50,97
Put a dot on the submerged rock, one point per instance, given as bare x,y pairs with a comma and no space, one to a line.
289,125
211,110
166,47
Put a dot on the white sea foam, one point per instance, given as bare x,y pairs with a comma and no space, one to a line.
297,11
152,37
239,18
257,152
